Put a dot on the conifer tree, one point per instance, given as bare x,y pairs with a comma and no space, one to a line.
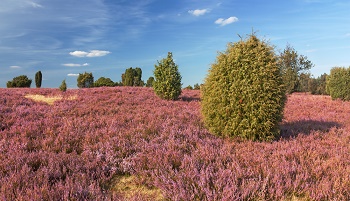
243,95
167,84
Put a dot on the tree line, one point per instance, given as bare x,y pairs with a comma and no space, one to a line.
294,68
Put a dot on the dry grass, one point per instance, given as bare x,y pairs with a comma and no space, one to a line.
48,99
128,187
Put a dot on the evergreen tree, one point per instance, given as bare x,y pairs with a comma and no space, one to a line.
167,84
63,86
38,79
243,94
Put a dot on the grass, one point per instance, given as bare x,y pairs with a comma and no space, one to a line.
128,186
48,99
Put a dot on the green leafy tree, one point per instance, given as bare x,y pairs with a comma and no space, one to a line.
21,81
104,82
63,86
292,65
85,80
304,80
243,94
318,85
150,81
38,79
132,77
167,83
338,83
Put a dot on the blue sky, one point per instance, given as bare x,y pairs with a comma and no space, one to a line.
63,38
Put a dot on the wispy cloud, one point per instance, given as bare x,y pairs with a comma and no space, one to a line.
224,22
198,12
35,5
92,53
75,65
347,35
15,67
72,75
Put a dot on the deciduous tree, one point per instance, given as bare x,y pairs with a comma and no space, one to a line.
85,80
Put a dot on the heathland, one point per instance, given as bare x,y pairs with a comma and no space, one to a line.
125,143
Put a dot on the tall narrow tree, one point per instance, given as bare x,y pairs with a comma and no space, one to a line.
38,79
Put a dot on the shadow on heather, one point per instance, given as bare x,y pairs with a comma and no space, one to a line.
305,127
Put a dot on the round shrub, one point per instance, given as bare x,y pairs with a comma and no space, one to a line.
243,94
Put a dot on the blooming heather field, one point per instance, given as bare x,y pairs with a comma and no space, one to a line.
125,143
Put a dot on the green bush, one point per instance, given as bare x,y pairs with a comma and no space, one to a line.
19,81
63,86
243,95
338,83
167,83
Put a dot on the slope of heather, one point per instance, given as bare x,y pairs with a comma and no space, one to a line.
80,149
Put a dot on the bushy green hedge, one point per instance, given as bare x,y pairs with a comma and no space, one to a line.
338,83
243,93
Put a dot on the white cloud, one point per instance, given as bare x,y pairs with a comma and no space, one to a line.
75,65
198,12
92,53
15,67
223,22
347,35
78,53
72,75
97,53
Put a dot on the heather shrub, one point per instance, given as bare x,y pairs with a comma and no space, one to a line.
243,94
338,83
167,84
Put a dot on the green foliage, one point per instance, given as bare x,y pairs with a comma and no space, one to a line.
167,84
150,82
292,65
243,94
338,83
196,86
104,82
132,77
85,80
19,81
63,86
318,85
38,79
189,87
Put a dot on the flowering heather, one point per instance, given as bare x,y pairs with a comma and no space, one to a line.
78,149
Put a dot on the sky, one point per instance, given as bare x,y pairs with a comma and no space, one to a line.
63,38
